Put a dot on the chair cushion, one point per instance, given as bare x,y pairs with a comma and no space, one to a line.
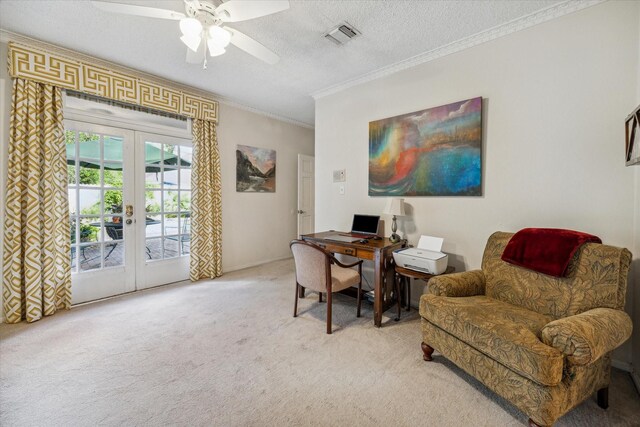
506,333
342,278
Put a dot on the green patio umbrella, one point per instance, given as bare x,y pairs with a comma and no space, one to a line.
90,155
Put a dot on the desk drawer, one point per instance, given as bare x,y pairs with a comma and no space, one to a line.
337,249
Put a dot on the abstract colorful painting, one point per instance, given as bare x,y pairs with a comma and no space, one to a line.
255,169
433,152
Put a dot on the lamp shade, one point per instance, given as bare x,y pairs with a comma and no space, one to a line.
395,207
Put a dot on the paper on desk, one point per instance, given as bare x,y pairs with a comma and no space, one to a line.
430,243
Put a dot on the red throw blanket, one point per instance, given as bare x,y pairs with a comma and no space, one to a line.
547,250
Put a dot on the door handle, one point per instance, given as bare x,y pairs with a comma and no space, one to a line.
129,210
300,211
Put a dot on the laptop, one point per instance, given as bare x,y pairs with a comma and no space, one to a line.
363,227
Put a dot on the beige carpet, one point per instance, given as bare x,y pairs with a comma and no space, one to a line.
228,352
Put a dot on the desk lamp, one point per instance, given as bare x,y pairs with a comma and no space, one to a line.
395,207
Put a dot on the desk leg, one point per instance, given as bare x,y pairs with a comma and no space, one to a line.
379,297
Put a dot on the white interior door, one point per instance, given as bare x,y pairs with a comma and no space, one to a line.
163,195
306,194
100,163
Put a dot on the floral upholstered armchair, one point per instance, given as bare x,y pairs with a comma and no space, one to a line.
541,342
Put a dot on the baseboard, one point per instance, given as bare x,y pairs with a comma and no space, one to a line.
254,264
625,366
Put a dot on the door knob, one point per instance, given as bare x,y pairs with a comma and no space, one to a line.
129,221
300,212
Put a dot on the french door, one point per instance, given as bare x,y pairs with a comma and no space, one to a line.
130,209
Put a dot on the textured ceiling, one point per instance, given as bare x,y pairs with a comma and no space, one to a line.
392,31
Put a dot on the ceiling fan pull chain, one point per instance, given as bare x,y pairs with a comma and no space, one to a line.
204,52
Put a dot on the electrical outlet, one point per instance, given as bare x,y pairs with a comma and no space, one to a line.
341,189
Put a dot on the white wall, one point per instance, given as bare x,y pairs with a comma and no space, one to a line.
636,249
555,97
257,227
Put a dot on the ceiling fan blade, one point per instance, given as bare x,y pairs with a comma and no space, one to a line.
236,10
130,9
196,57
252,47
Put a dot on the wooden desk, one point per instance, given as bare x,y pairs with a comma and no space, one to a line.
378,251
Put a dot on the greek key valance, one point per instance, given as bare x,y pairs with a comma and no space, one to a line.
108,81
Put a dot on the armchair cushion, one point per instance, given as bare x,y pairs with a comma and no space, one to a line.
585,337
504,332
464,284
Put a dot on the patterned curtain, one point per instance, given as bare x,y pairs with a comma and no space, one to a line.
206,203
36,261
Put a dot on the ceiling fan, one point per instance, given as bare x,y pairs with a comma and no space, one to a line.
203,25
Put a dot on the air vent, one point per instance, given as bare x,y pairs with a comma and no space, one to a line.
342,33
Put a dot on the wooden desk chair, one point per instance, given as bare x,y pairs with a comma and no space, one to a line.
320,271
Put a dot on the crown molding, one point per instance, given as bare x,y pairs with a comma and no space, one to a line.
8,36
542,15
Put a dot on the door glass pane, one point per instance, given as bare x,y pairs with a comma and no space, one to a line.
153,249
90,257
90,230
153,227
153,201
171,225
185,201
185,178
113,202
171,201
171,248
113,175
170,178
186,155
89,201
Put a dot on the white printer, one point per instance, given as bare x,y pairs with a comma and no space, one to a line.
427,257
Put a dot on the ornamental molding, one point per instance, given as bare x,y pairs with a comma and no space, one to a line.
46,63
543,15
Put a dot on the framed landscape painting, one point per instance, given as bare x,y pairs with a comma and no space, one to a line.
255,169
433,152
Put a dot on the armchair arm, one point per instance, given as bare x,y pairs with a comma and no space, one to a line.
463,284
334,260
585,337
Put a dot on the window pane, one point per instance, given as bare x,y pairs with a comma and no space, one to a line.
71,172
153,201
153,227
152,156
171,247
112,149
90,230
90,257
154,248
186,155
170,155
89,202
170,178
114,254
113,175
73,230
153,179
170,201
89,174
185,179
185,201
171,225
113,201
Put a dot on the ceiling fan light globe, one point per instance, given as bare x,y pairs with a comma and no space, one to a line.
192,42
219,36
190,27
215,50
